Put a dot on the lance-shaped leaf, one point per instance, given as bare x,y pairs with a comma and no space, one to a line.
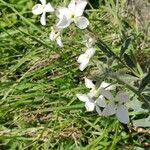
129,61
125,46
145,81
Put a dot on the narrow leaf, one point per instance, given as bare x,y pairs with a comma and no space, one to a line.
145,81
129,61
104,48
125,46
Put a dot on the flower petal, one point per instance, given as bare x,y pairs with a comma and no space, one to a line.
80,6
101,101
62,11
82,97
107,86
90,52
98,110
82,22
122,97
49,8
122,114
89,105
37,9
107,94
43,2
84,64
43,19
59,41
83,60
93,93
88,83
109,110
63,22
52,35
55,33
72,5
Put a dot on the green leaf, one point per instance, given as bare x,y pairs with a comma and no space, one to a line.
145,122
125,46
129,61
104,48
145,81
136,105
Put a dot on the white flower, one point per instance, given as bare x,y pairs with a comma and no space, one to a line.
72,13
95,91
115,105
55,36
84,59
43,8
90,104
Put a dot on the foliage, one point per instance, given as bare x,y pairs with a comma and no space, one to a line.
39,80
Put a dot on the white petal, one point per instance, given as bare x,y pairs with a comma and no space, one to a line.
101,101
82,22
80,7
63,22
90,52
111,87
59,41
82,97
93,93
98,110
89,105
43,2
72,5
49,8
109,110
122,114
43,19
107,86
81,58
107,94
37,9
83,65
52,35
62,11
88,83
122,97
104,85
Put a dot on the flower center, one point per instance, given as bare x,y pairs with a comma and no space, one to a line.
43,6
72,16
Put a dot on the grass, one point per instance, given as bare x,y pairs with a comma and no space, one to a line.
39,81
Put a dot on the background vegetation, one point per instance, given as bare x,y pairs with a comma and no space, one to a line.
38,80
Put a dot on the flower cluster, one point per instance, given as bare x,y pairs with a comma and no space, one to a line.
103,101
66,15
99,98
73,13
